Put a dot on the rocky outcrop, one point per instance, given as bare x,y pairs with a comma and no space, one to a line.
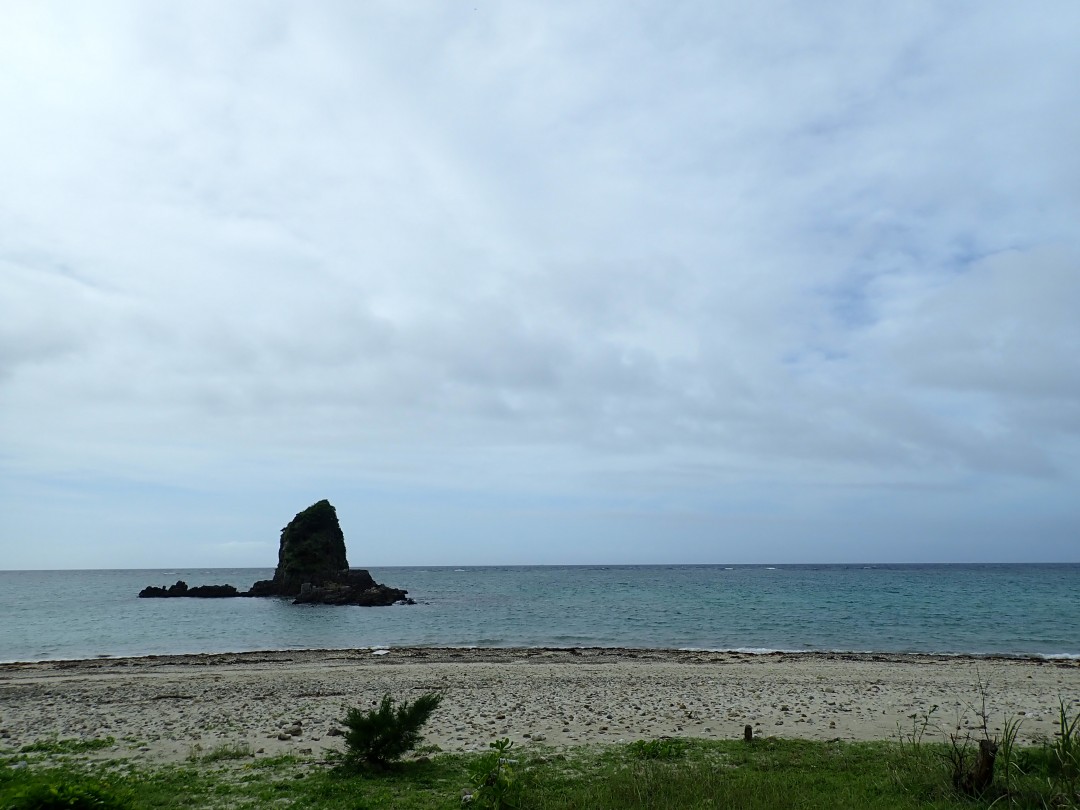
181,589
342,593
312,549
312,569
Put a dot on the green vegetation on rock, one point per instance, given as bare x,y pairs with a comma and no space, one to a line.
312,548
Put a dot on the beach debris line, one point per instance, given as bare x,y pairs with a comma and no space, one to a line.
312,569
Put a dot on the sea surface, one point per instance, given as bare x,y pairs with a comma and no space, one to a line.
1014,610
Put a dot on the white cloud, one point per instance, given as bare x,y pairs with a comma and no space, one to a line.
585,251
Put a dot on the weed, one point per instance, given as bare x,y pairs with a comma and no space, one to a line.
973,771
665,748
495,784
1066,751
919,723
1010,767
225,751
71,793
1047,776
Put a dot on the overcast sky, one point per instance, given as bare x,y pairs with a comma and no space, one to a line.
540,282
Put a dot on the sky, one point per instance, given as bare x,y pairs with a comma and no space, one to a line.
540,282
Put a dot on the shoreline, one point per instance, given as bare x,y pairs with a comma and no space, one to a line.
496,653
161,708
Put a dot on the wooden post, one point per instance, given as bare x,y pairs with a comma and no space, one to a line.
983,775
976,781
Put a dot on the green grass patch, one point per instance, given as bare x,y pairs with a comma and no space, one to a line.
767,773
43,789
68,746
222,753
665,748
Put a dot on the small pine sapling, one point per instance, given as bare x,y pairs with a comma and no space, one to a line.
382,735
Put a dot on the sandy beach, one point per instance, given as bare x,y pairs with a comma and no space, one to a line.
160,708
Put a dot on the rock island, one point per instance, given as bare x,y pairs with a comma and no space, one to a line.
312,569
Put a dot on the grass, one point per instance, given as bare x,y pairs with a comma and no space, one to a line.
68,746
767,773
223,752
771,773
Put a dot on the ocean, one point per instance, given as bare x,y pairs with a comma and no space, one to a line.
1015,610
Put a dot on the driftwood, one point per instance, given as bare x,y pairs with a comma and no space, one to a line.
976,781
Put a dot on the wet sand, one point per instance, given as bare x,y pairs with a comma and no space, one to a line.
160,708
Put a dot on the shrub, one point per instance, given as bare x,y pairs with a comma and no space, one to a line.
382,735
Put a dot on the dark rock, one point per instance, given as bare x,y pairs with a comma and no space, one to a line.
181,589
312,569
345,593
213,591
312,549
153,592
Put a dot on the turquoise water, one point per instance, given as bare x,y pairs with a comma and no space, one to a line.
973,609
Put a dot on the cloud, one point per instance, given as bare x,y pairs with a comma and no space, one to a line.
1004,327
627,258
